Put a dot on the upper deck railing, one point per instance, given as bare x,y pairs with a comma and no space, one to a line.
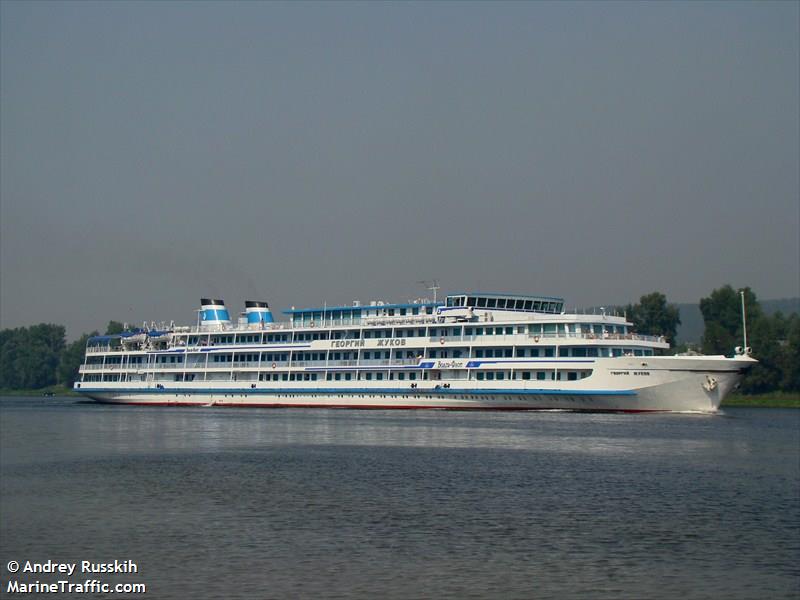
489,339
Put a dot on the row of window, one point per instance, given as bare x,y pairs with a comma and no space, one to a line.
541,375
523,304
447,332
544,375
317,316
283,357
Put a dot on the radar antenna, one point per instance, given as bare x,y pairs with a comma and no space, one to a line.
432,285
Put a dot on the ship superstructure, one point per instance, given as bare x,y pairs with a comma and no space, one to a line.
474,350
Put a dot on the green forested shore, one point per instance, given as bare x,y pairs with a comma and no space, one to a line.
774,400
38,360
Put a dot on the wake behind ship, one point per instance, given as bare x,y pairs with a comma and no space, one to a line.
473,351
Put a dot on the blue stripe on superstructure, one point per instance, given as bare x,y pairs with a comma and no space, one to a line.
502,295
230,349
403,390
365,368
262,347
476,363
328,309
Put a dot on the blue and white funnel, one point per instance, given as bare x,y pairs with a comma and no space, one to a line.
257,312
213,312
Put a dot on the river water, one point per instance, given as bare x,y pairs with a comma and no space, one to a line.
282,503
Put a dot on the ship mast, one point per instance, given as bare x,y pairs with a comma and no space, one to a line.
744,325
432,285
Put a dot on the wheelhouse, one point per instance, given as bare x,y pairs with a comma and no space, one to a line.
479,300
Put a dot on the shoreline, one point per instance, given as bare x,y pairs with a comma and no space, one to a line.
768,400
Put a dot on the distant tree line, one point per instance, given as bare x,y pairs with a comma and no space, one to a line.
38,356
775,339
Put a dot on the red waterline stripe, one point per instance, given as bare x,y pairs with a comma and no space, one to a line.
382,407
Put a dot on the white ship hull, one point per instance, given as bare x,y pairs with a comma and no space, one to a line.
653,384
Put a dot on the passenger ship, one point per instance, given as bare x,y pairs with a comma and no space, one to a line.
473,351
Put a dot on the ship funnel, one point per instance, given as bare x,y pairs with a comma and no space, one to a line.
257,312
213,312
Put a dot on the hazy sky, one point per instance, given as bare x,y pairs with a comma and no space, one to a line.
155,152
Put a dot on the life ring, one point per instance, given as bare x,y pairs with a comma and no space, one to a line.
441,340
312,324
274,365
536,338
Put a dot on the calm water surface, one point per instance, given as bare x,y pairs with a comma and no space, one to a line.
249,503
